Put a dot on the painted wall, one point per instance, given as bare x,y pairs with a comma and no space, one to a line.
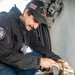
63,33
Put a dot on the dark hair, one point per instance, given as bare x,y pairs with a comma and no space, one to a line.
29,12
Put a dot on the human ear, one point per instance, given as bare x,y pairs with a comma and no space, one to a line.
26,12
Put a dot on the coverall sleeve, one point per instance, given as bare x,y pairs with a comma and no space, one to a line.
10,56
36,45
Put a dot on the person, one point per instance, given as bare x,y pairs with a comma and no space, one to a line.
20,51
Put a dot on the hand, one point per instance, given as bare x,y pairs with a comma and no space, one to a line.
46,62
62,62
67,65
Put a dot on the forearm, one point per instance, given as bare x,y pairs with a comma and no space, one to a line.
21,61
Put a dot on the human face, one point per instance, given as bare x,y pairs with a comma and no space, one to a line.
31,23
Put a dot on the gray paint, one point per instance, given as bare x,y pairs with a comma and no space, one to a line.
63,33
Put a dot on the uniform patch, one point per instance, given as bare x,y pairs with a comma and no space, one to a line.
2,33
33,6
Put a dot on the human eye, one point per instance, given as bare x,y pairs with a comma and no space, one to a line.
35,21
